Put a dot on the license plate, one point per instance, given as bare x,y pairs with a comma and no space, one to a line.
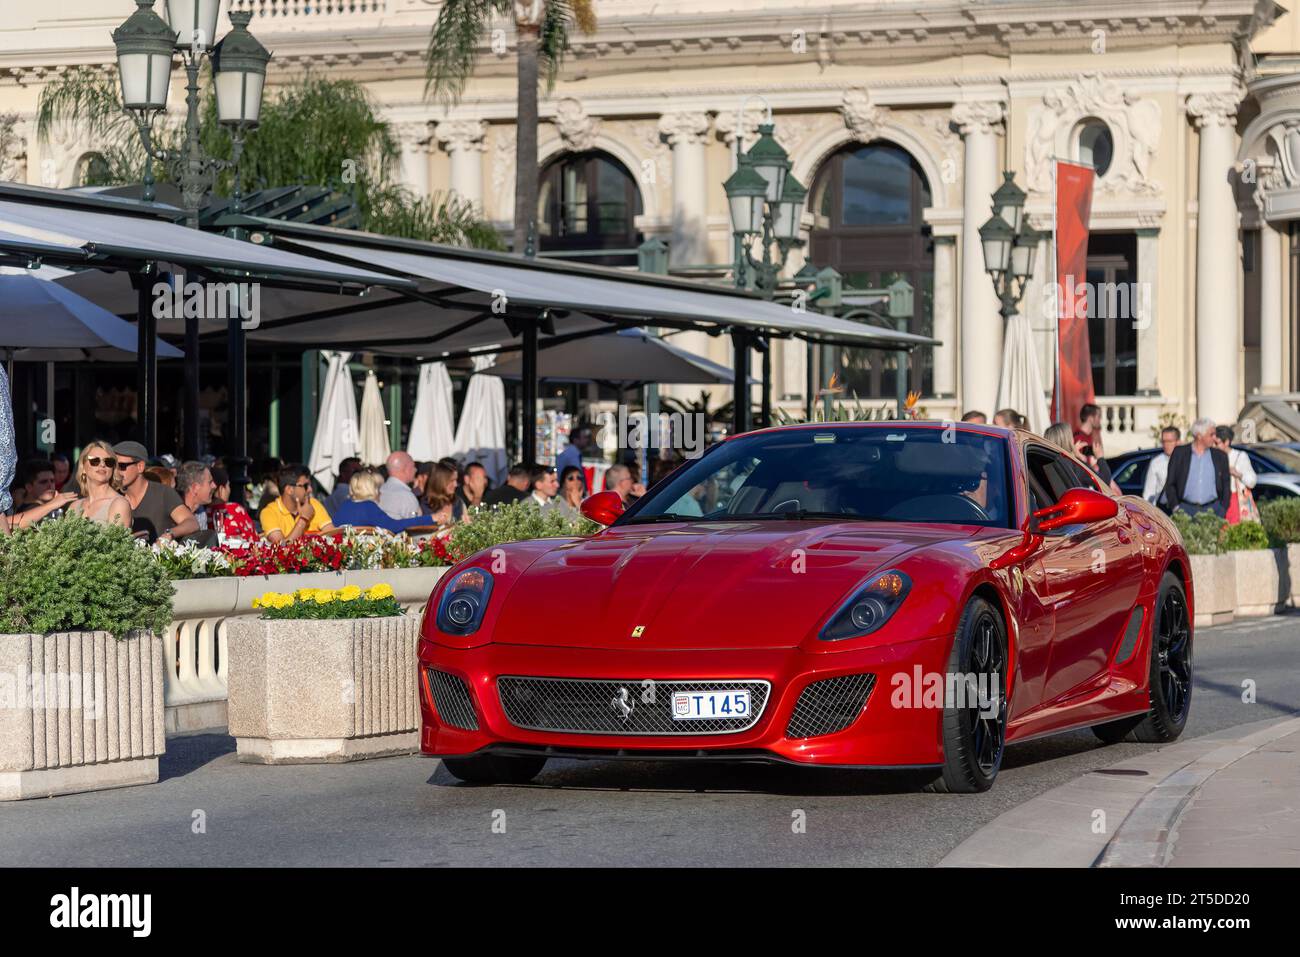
703,705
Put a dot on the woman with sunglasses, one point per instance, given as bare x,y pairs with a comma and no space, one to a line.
100,500
572,491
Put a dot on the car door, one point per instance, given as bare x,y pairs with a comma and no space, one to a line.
1088,575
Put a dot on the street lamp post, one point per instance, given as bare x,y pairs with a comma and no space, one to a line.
766,204
145,46
1010,245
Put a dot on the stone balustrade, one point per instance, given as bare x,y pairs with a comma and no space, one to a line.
195,644
279,10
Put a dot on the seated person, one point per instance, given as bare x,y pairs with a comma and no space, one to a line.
231,520
295,512
362,506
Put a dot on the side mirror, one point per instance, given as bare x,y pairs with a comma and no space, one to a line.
603,508
1078,506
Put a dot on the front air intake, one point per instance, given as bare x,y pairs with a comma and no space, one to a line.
451,699
828,706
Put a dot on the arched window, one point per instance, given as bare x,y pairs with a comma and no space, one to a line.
588,203
867,203
1094,145
92,170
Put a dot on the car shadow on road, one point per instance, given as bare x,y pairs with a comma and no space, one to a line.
764,778
702,777
189,752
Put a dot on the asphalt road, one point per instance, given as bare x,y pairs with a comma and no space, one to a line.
409,811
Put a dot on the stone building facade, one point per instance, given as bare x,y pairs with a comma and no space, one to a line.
899,115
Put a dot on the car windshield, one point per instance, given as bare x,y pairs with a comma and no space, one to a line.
866,473
1286,460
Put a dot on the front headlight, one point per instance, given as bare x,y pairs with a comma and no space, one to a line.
868,608
463,602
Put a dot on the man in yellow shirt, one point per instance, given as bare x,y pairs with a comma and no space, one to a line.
295,512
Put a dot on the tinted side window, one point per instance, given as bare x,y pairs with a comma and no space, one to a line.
1043,479
1135,471
1052,474
1077,475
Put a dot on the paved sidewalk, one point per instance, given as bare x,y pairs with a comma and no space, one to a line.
1228,799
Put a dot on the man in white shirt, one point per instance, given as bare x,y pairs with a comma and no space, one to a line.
545,485
395,495
1158,469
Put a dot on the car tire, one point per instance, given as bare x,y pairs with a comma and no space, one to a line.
974,739
494,768
1169,678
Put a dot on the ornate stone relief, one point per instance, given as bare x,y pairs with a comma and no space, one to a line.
456,135
979,117
793,131
62,147
503,171
576,128
13,149
414,134
861,117
646,139
936,125
1134,125
684,127
725,125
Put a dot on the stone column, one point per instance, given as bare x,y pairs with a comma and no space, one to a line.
1271,356
464,141
981,321
1218,323
414,139
685,133
1144,308
945,315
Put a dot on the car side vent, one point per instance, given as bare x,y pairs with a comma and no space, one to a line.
452,700
830,705
1130,636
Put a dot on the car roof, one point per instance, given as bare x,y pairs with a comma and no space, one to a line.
993,431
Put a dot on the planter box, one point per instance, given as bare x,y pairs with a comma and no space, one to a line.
1214,588
196,642
1293,572
1263,581
304,692
79,711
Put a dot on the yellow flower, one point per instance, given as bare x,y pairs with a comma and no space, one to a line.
379,591
267,600
283,601
324,596
349,593
306,593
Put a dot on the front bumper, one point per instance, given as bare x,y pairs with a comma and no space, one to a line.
889,732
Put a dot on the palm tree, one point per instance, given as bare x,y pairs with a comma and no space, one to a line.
542,29
315,131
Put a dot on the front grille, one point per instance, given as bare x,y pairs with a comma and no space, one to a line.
597,706
831,705
452,700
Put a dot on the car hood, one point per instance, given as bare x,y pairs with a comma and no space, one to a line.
702,585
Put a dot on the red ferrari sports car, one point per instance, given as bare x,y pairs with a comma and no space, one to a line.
883,595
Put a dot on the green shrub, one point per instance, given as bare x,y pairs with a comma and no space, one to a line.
1244,536
1202,535
71,574
517,522
1281,518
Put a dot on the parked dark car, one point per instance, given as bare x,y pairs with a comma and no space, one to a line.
1130,468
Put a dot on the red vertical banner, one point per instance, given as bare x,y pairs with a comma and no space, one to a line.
1073,386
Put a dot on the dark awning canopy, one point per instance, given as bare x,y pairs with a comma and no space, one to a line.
482,297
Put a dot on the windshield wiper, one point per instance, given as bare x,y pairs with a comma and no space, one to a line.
797,515
663,517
